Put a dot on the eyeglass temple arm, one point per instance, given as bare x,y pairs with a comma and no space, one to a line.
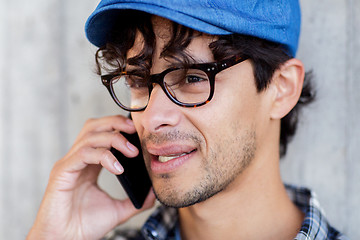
232,61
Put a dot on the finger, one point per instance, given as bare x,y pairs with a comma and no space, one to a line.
109,123
88,155
106,140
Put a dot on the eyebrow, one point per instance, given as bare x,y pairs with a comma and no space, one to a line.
193,61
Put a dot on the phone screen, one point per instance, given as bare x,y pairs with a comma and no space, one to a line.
135,178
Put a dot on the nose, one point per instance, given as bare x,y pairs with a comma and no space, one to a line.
161,113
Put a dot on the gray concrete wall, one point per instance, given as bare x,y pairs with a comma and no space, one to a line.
48,90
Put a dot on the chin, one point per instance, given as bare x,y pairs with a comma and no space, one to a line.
176,198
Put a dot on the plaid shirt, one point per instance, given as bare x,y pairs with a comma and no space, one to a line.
163,223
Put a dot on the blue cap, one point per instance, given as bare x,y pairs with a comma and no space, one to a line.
274,20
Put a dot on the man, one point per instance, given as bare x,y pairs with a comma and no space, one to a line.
213,90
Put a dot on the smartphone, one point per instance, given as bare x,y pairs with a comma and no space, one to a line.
135,178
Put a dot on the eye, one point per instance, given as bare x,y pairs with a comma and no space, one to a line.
193,76
194,79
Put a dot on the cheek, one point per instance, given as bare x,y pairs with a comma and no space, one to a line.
233,111
136,117
237,95
230,106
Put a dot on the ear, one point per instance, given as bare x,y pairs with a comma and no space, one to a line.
287,83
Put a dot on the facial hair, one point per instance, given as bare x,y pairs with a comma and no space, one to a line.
224,163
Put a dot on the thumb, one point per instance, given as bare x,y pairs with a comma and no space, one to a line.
126,209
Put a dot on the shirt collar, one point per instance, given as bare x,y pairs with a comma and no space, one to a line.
315,225
163,223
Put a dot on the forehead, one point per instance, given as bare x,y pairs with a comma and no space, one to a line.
163,27
163,30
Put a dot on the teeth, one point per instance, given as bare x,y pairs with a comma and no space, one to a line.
165,159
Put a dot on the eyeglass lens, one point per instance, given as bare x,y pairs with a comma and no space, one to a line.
188,86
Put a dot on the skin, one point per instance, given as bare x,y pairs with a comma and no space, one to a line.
236,137
234,168
212,166
74,207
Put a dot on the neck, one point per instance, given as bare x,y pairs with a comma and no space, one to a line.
254,206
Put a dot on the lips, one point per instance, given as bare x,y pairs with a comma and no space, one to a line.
165,159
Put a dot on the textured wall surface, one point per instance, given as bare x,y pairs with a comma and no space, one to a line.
48,89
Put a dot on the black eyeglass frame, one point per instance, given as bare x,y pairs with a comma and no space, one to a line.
211,69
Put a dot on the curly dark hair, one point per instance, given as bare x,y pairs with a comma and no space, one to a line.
265,56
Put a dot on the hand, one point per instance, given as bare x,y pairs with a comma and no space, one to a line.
74,207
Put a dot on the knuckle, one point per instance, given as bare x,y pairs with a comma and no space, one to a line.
90,121
116,135
106,155
57,167
82,152
85,140
118,140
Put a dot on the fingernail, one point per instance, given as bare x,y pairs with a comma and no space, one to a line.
130,146
118,167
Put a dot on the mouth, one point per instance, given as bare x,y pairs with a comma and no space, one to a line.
170,157
167,158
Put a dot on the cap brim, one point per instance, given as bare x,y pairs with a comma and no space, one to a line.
101,20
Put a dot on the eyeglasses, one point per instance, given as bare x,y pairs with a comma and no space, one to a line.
192,86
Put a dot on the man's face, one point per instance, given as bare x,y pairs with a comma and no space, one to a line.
194,153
